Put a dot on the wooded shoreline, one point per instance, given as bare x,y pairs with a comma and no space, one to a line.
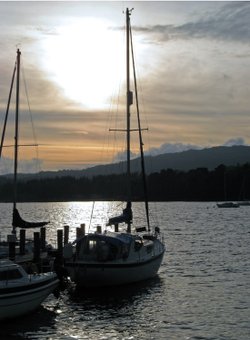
222,183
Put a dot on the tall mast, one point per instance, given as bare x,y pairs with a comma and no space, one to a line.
129,97
129,102
16,133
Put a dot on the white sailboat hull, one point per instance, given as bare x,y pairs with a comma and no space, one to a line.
98,274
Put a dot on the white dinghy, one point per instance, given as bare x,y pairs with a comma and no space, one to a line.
22,293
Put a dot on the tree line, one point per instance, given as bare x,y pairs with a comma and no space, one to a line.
201,184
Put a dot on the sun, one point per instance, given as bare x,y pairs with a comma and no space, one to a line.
85,59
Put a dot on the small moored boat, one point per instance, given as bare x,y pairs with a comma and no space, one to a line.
22,293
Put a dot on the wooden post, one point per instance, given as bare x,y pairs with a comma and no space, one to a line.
36,255
22,242
60,242
116,227
78,232
43,238
12,246
66,234
82,229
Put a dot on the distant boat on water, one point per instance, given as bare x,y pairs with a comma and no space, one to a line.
228,205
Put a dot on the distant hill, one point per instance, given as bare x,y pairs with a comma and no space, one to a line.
208,158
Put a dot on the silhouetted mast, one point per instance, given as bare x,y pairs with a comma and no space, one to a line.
129,103
16,132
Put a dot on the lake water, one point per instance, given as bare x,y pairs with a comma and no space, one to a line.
202,290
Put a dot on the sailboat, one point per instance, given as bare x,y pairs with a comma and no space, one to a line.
118,257
17,221
20,293
227,204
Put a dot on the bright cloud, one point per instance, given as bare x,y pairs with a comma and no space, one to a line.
192,63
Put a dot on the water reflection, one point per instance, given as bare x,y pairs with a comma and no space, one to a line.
111,313
115,297
23,327
202,291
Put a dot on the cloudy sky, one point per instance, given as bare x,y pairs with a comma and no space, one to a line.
193,69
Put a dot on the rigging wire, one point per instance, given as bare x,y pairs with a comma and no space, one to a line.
31,117
140,134
7,110
115,144
112,145
91,216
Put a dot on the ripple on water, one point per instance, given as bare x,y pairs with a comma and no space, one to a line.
202,291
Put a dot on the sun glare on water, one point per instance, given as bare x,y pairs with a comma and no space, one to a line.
85,60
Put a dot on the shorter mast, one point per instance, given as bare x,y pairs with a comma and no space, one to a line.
17,220
16,134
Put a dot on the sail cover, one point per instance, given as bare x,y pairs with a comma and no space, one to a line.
125,217
20,223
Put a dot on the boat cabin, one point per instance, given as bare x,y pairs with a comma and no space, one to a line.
10,271
100,247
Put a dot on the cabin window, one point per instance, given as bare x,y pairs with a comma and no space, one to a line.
88,246
138,245
88,249
100,250
92,245
10,274
103,251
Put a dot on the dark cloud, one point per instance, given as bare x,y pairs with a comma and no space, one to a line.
230,22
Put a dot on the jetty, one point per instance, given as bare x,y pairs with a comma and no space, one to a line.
37,255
